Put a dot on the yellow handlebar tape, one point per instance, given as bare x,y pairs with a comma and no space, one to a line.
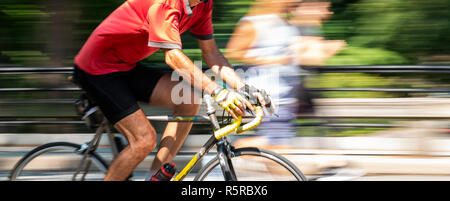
228,129
235,126
254,123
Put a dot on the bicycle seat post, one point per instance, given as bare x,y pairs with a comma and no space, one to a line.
211,111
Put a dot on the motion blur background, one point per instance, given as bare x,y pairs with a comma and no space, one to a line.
49,33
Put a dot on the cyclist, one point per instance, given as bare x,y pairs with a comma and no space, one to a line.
106,68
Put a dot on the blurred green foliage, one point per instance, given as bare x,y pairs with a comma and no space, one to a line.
378,32
412,29
50,32
354,55
387,32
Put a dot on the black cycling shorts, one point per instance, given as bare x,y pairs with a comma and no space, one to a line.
117,93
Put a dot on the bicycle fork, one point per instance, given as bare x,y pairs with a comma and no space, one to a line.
224,153
224,150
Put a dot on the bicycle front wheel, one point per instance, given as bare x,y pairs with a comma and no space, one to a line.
253,164
58,161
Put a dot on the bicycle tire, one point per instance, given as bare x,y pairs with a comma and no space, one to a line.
252,151
19,171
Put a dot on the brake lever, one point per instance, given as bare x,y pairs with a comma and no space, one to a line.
270,107
249,110
271,110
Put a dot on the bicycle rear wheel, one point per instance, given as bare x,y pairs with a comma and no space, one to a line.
253,164
58,161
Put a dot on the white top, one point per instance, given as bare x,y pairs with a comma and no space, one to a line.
274,37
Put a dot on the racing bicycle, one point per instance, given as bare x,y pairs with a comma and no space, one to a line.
229,163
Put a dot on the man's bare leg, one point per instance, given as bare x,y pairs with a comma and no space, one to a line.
175,132
142,140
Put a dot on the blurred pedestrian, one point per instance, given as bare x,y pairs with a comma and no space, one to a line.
263,40
312,49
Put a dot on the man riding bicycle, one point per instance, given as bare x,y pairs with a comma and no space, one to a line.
106,68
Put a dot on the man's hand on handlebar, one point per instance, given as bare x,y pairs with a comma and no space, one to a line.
257,97
231,101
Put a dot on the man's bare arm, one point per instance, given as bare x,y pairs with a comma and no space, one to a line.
230,101
178,61
219,64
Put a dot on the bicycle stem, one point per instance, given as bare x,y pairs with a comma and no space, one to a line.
235,126
211,111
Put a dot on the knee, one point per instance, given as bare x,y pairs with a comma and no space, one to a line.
140,150
143,144
146,144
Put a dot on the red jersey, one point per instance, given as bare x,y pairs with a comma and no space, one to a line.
137,29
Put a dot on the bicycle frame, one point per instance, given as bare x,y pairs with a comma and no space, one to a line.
224,149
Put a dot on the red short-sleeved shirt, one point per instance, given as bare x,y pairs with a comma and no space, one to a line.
137,29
